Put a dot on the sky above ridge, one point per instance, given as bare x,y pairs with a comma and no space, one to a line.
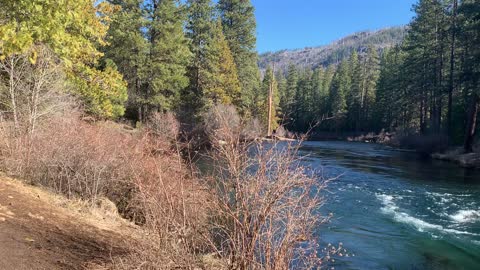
291,24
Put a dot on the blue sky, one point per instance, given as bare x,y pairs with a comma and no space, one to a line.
290,24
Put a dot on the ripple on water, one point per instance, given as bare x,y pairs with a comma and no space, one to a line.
403,204
466,216
391,208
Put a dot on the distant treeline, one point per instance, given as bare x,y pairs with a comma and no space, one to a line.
428,84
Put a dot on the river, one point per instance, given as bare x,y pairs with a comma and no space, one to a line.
397,210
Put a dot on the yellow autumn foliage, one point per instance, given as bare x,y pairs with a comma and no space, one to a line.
74,30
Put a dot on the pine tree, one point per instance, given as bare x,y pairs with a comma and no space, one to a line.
371,76
199,31
225,88
169,56
282,89
340,85
470,73
239,26
452,29
425,50
288,102
128,48
354,94
303,116
320,94
327,83
213,74
385,99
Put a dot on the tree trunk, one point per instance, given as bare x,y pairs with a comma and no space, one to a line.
439,98
471,123
140,114
12,92
270,103
422,119
451,85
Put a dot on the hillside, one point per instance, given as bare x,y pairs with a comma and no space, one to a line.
334,52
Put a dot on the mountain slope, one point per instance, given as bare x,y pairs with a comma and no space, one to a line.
335,52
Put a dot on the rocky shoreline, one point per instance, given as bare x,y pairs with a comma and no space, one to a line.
470,160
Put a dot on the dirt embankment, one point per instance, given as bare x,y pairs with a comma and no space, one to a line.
39,230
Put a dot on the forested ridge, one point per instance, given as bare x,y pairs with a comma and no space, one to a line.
333,53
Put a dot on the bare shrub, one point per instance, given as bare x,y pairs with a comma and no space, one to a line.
141,172
252,130
33,87
175,220
164,125
174,206
69,156
257,209
281,132
223,122
265,206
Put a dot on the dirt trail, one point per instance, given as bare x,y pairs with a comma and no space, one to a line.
37,233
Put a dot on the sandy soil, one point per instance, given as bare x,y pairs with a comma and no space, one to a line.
38,232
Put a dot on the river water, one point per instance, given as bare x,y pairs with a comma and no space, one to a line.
397,210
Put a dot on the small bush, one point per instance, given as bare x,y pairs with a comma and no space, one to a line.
223,121
164,126
281,132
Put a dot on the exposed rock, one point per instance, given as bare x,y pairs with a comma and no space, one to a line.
471,160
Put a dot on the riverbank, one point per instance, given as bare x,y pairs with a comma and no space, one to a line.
434,146
470,160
